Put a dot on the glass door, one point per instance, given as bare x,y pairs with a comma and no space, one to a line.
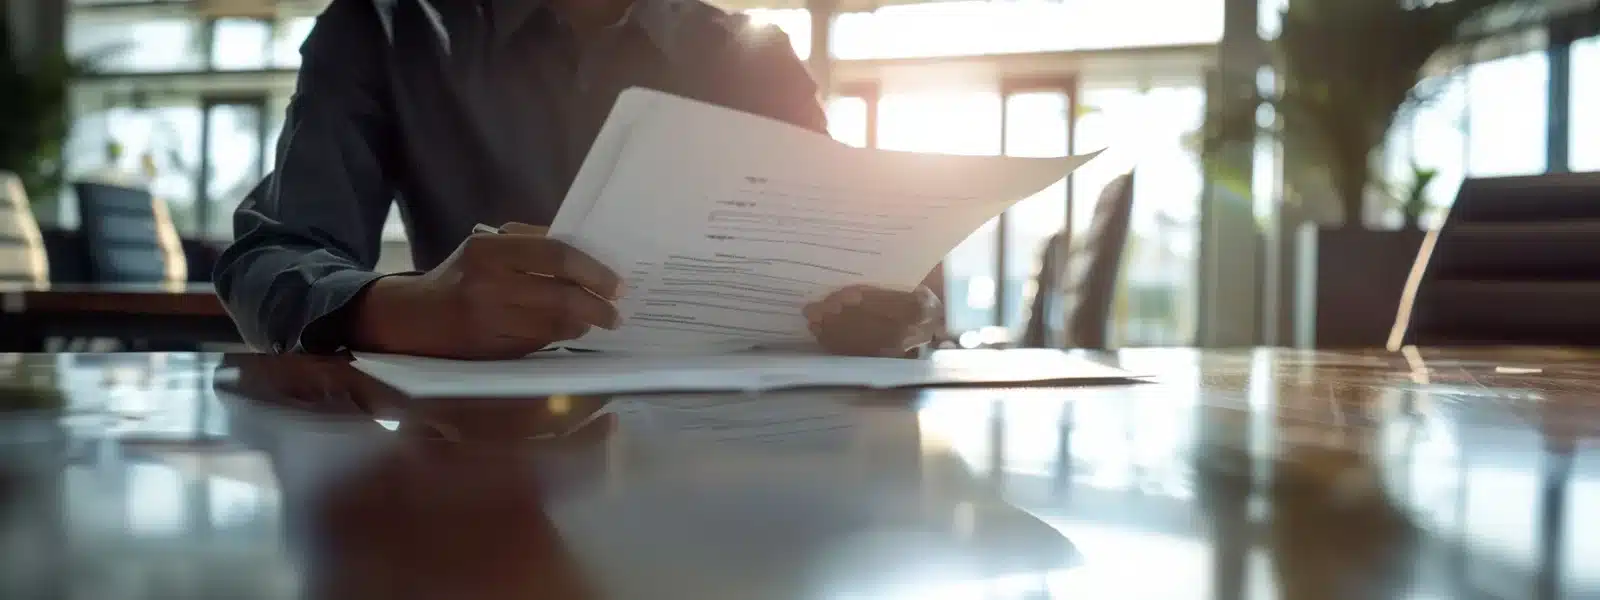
233,151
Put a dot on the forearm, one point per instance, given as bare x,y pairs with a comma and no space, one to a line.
287,297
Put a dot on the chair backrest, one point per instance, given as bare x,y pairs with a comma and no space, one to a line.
1516,262
22,252
1077,279
130,238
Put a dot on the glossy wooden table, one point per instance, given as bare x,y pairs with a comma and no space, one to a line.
1265,474
182,312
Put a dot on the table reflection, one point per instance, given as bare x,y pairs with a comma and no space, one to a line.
1237,475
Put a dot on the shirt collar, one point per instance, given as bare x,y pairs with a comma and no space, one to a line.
659,19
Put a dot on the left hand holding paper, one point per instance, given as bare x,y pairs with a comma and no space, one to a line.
863,320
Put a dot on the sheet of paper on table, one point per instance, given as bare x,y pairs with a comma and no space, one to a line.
574,373
725,224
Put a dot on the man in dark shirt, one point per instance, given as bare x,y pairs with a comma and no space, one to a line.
481,111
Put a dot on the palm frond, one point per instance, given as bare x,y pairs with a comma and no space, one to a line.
1346,69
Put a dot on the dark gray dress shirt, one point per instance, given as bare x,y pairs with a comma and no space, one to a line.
460,112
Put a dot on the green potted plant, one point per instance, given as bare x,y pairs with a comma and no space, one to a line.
1344,72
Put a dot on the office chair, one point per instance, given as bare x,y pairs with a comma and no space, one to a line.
1077,280
1517,262
130,239
126,231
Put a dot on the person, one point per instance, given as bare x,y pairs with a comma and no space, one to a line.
481,111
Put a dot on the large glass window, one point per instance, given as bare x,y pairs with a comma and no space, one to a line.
1036,125
233,161
978,27
1585,117
240,44
1144,129
168,134
847,120
921,121
1507,115
144,45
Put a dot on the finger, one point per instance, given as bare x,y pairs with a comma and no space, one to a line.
544,256
834,303
901,307
531,330
569,330
566,302
500,345
849,295
862,334
815,312
515,228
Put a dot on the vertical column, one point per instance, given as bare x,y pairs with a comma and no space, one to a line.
1002,297
1230,300
38,27
821,59
1558,140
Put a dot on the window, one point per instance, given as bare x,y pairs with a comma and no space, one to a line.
847,120
920,121
1507,108
1585,123
978,27
1147,130
169,134
150,45
233,161
1036,125
240,44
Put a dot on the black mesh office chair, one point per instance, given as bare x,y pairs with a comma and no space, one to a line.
1077,279
1516,262
122,232
129,238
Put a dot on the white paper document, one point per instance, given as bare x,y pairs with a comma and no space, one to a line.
724,224
560,372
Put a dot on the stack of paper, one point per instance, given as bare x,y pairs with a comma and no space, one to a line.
558,372
725,224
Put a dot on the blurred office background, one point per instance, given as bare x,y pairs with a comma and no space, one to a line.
193,94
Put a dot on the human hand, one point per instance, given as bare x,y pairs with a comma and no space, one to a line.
497,296
863,320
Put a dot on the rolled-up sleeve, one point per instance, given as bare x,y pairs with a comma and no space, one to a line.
306,240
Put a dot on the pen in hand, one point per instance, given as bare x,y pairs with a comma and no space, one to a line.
481,228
